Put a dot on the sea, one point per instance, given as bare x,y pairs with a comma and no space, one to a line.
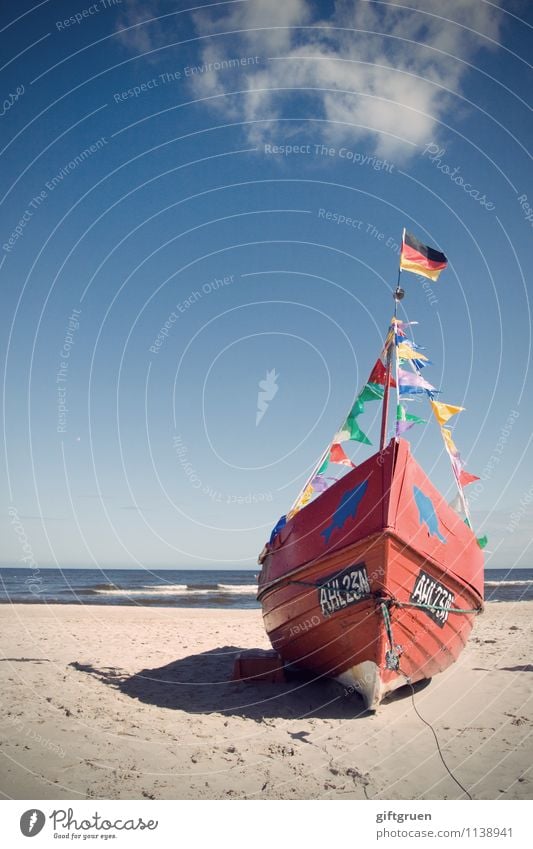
220,588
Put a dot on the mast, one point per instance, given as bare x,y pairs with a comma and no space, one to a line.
398,295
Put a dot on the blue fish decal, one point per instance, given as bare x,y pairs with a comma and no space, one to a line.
426,513
347,508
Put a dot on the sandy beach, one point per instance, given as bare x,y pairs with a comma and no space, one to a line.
133,702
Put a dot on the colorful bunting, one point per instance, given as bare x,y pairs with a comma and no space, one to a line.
337,455
462,477
443,412
407,382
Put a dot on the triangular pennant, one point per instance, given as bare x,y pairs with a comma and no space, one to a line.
406,352
282,521
355,431
305,497
448,441
403,426
419,364
379,374
457,465
342,435
324,465
418,390
443,412
411,379
358,406
403,416
371,392
338,455
465,478
457,504
482,541
320,483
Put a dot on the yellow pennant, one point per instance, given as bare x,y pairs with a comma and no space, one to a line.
447,436
443,412
405,352
304,499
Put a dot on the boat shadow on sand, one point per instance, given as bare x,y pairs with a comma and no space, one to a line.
201,683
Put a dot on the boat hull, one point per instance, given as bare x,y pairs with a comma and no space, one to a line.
377,610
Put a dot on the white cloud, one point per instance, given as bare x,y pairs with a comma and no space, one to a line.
137,28
380,68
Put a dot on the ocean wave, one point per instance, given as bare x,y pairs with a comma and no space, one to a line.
238,588
508,583
176,589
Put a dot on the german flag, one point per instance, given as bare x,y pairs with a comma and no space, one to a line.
421,259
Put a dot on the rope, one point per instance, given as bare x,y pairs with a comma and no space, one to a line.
436,607
386,619
439,750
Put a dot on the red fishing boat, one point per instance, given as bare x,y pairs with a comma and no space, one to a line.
373,578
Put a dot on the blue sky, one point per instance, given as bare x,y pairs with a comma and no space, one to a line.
194,199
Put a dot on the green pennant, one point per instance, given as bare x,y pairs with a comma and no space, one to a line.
482,541
403,416
355,431
371,392
324,465
358,407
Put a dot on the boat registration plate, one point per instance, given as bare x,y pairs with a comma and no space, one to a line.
343,588
428,591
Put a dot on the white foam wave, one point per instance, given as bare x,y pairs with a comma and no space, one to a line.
175,589
507,583
179,589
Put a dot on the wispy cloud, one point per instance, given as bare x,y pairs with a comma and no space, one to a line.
137,26
381,71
